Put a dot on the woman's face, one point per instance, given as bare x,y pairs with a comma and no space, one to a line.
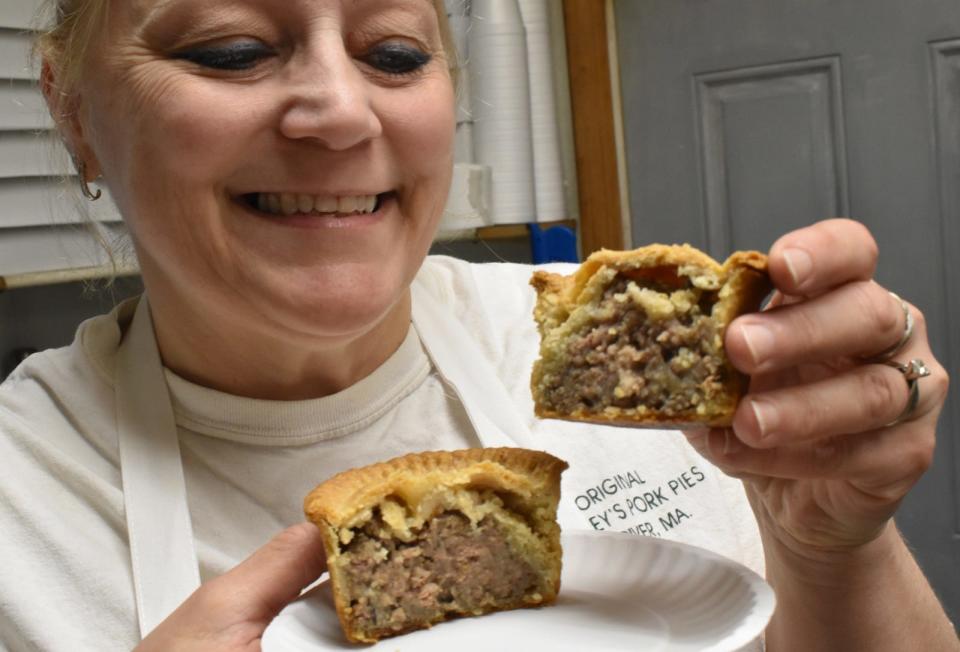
281,161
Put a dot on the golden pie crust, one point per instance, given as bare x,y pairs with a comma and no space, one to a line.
567,305
517,489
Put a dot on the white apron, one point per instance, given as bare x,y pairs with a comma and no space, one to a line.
162,552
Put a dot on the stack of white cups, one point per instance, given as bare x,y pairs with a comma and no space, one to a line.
500,103
458,14
548,167
468,205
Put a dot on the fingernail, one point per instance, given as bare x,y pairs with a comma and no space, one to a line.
765,416
731,444
799,265
759,339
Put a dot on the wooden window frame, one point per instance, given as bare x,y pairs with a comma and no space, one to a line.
599,165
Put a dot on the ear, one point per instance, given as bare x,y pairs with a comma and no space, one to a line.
65,107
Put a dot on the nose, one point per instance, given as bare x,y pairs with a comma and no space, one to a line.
329,101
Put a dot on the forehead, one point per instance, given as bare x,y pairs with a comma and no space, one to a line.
145,8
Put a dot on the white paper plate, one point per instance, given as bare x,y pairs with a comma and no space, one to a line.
618,592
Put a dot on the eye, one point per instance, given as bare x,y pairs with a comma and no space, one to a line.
239,55
396,58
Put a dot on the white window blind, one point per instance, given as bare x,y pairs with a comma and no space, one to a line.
42,231
18,14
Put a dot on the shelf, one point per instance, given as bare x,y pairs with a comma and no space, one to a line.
54,276
501,231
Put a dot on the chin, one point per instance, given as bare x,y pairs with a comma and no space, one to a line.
333,310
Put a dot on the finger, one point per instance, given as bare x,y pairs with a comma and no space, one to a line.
812,260
699,440
777,299
858,320
275,574
882,463
863,398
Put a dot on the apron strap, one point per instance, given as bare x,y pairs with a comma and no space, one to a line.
162,553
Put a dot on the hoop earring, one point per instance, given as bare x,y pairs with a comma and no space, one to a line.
84,188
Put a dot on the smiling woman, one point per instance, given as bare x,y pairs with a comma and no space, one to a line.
282,166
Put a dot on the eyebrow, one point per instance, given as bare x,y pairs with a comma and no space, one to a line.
414,7
147,9
429,3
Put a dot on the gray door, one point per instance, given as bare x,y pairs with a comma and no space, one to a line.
745,118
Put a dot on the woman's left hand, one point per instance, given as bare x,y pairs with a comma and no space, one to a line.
823,463
231,612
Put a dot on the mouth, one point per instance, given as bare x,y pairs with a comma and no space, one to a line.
290,205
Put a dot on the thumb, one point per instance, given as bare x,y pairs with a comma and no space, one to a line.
275,574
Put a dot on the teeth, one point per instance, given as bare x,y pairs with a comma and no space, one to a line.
346,204
286,203
273,204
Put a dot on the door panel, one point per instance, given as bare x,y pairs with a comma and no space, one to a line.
747,118
789,112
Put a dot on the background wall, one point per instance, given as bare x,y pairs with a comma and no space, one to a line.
46,316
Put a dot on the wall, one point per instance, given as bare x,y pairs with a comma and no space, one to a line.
46,316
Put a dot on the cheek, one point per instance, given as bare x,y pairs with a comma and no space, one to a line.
422,128
162,151
190,140
161,131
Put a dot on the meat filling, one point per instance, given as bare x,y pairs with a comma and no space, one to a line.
669,362
450,567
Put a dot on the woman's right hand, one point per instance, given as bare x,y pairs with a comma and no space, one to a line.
231,612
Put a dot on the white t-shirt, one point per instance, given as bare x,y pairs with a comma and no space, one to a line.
65,579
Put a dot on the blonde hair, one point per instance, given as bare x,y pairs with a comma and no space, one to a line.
64,42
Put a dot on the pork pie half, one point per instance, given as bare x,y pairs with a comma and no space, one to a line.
425,537
636,337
